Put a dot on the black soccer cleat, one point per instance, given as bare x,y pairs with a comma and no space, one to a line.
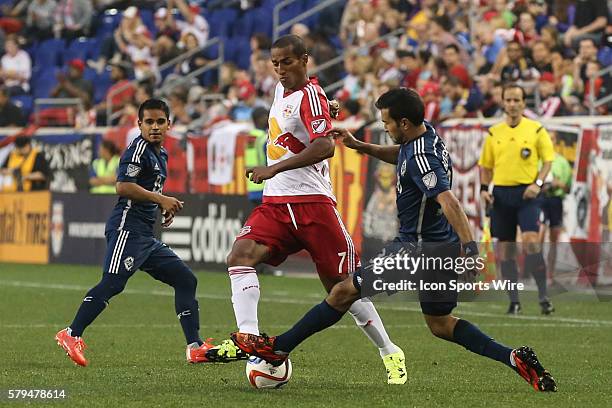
528,367
514,308
547,307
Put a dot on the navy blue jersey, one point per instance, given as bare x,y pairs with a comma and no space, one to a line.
424,170
140,164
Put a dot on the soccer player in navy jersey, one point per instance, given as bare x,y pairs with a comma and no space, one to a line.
429,213
131,243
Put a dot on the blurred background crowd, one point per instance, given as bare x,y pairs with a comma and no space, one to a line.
98,60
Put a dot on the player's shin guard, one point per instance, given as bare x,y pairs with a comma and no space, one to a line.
95,301
245,298
367,318
470,337
509,271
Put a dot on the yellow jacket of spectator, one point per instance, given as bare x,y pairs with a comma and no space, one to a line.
513,153
102,168
26,164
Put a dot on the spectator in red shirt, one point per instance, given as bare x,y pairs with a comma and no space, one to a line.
551,104
526,32
455,68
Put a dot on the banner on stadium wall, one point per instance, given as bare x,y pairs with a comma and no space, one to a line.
76,232
203,233
379,214
69,158
24,227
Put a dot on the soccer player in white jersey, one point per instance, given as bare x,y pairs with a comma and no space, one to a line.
299,207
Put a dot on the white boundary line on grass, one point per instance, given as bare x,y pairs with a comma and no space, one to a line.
380,305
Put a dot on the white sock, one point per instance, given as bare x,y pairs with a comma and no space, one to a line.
245,297
369,321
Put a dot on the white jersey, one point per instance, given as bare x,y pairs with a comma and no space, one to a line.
296,119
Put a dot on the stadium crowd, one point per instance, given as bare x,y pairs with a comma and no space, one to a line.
456,53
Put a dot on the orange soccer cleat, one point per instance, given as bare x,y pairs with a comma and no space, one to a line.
260,346
73,346
528,367
197,354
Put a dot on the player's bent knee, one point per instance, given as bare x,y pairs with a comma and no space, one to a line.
246,253
343,295
441,326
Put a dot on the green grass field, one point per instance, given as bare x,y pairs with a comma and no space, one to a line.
137,358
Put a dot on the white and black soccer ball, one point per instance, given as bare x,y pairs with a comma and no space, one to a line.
264,375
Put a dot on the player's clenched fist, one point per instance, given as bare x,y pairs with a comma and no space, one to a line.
170,204
344,136
260,173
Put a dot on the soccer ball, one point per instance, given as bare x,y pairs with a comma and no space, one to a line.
264,375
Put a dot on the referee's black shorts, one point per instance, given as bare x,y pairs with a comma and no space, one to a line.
511,209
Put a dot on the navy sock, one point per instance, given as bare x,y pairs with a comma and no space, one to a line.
535,265
470,337
318,318
189,318
509,271
87,313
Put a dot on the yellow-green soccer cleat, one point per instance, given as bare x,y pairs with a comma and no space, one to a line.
395,363
226,352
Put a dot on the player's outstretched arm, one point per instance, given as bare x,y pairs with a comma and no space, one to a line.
320,149
137,193
385,153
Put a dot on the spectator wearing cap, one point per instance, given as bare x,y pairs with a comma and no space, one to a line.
388,67
39,19
10,114
73,85
121,92
551,103
590,21
430,93
244,91
15,68
72,18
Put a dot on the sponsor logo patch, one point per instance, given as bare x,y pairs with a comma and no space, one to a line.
403,170
430,180
132,170
318,125
128,263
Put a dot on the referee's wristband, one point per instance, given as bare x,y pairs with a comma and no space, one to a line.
470,249
484,187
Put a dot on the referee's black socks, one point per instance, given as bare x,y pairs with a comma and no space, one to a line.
535,265
509,271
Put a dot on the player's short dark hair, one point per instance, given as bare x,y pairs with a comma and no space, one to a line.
513,86
298,48
153,104
403,103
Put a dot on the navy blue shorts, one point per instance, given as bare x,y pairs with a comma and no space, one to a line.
127,252
552,211
511,210
432,302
